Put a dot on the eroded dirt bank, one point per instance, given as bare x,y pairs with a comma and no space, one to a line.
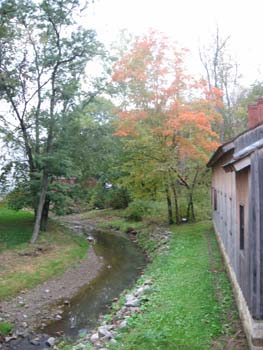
33,308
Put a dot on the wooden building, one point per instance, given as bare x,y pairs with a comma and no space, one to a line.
237,200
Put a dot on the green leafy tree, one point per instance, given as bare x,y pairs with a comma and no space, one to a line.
43,56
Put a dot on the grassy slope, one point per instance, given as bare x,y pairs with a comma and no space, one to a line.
15,228
24,266
192,307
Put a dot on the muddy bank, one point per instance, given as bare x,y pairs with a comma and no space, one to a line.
74,301
32,308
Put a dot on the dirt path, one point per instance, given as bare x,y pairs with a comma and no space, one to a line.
35,307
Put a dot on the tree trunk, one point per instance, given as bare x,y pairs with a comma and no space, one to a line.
169,205
176,206
41,203
44,217
190,208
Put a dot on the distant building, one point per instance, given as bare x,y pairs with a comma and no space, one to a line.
237,200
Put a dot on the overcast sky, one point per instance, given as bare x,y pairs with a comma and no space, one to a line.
189,22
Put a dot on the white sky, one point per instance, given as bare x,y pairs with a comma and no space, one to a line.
189,22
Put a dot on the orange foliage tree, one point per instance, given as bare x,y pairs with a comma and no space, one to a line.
165,116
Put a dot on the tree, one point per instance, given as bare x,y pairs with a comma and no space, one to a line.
222,72
246,97
43,56
165,117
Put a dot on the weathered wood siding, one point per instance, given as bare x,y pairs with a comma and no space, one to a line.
255,229
240,193
234,189
242,199
225,216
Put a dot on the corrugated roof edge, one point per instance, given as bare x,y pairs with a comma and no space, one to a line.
223,149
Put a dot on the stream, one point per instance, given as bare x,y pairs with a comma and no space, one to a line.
123,262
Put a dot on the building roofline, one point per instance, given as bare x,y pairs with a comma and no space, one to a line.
227,146
223,149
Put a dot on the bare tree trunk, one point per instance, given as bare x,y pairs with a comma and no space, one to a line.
41,203
169,205
176,206
44,217
190,208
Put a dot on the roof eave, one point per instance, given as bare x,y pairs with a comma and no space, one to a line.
222,150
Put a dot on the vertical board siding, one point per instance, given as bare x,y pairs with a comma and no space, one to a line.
252,228
242,249
224,184
260,176
235,189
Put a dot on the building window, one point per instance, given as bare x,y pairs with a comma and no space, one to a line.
241,227
215,199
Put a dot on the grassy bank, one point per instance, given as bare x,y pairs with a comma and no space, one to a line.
24,266
192,306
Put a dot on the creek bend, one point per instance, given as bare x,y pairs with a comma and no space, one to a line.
122,261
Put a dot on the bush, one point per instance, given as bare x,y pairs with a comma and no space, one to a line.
138,209
114,197
117,198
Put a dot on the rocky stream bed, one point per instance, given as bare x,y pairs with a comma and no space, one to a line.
72,305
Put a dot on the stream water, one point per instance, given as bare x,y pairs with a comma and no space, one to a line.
123,263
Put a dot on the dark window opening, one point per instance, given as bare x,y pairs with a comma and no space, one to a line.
215,199
241,227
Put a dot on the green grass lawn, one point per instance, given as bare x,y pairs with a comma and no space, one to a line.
24,265
192,306
15,227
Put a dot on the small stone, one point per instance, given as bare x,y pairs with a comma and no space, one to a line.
132,302
94,338
47,290
59,333
8,339
110,327
104,333
142,290
59,312
24,324
113,341
51,341
123,324
25,316
35,341
66,302
58,317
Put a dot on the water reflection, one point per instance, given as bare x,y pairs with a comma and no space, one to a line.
123,262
